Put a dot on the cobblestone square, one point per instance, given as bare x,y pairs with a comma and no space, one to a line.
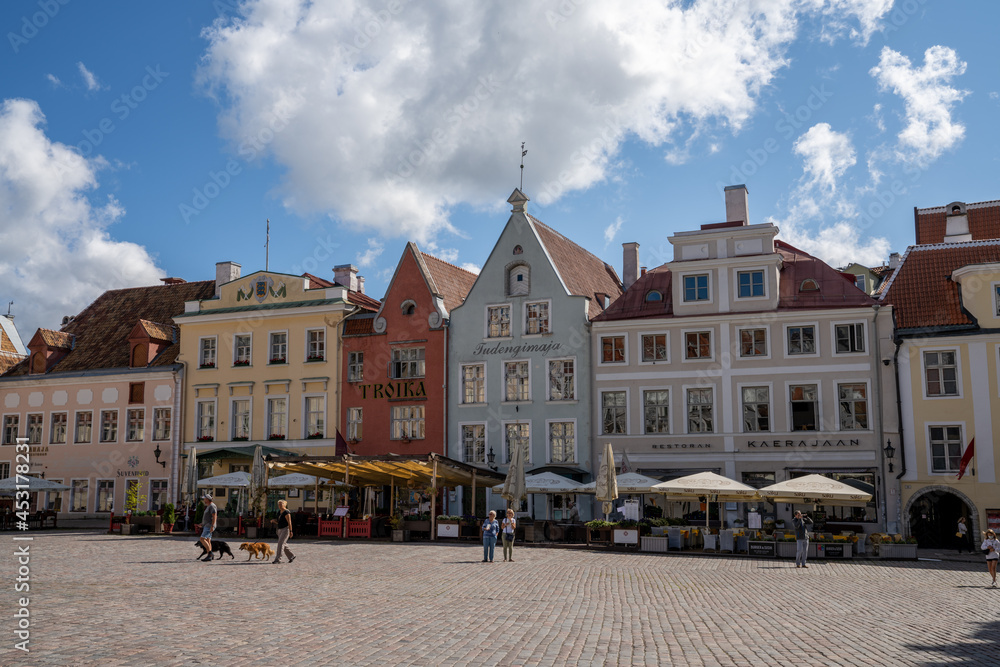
97,599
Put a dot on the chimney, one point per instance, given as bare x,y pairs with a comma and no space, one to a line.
361,284
630,263
172,281
893,260
736,204
225,272
346,275
956,224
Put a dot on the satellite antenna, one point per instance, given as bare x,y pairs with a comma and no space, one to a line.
523,153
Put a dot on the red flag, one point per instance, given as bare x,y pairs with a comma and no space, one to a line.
341,446
966,457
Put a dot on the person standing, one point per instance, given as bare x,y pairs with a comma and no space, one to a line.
802,524
991,545
963,535
208,521
490,531
284,532
508,526
574,513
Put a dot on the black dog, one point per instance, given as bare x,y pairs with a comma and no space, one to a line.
217,546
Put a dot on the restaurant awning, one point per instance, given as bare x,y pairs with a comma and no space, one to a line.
815,489
387,469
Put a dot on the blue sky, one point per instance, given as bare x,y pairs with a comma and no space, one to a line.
143,140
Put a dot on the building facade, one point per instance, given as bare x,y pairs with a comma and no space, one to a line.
746,357
519,359
12,350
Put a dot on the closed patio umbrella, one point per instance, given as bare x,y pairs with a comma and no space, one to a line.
258,478
514,487
11,484
606,487
191,484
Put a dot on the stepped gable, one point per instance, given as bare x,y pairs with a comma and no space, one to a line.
922,293
931,223
450,282
98,336
794,292
583,273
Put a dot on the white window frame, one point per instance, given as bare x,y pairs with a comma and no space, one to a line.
548,381
270,417
738,338
711,346
770,405
236,350
142,426
72,491
486,436
600,348
421,423
548,441
198,418
820,417
763,270
995,288
600,411
75,425
40,430
786,344
642,348
963,443
270,346
356,368
504,364
864,337
232,416
305,414
420,360
118,426
307,345
17,434
548,317
97,496
682,276
715,408
670,410
213,357
355,427
868,405
958,374
170,419
52,425
503,438
166,493
461,381
486,321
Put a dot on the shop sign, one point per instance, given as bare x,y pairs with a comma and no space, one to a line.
38,450
132,473
830,550
682,445
514,350
407,389
763,549
754,444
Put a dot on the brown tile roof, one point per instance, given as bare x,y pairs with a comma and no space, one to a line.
59,339
883,270
451,282
360,325
315,282
633,304
984,222
6,344
922,292
157,331
101,330
9,360
583,273
354,297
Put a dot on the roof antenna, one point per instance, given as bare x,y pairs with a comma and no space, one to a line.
523,153
9,316
267,244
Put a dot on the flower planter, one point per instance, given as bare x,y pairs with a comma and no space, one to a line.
400,535
251,532
168,528
898,551
126,529
656,544
447,529
598,536
786,549
626,535
147,524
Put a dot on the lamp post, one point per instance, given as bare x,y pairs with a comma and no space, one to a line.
156,453
491,459
890,452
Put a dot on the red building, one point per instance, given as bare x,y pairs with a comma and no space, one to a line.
394,382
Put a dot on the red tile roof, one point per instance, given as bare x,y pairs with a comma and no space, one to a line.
57,339
583,273
451,282
922,292
359,325
101,331
984,222
354,297
157,331
633,304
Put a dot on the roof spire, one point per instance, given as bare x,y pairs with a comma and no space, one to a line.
517,200
523,153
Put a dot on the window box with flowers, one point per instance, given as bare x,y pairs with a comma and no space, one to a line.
316,357
276,436
240,438
314,436
210,364
205,438
278,360
241,362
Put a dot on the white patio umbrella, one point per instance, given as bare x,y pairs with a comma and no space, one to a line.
815,489
239,480
514,486
545,483
293,480
606,483
629,482
714,487
33,484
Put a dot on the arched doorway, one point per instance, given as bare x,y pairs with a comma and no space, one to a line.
933,514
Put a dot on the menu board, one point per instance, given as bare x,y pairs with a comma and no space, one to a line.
766,549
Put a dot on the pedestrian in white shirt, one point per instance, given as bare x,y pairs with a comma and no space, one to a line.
991,545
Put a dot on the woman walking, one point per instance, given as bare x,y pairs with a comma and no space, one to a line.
508,527
963,535
490,531
284,527
991,545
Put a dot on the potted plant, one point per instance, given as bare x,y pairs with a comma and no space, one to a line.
315,436
398,534
169,518
205,438
276,436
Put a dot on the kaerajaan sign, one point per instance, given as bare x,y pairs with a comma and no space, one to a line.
803,443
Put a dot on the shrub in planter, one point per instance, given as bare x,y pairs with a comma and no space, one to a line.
169,517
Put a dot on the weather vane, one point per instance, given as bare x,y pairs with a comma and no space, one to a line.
523,153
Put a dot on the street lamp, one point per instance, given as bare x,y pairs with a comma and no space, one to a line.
889,451
156,453
490,459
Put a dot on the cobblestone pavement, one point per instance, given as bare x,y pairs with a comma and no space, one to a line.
109,600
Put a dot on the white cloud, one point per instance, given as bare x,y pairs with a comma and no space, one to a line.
827,155
397,117
368,257
837,244
612,229
839,17
56,255
472,268
89,78
928,98
54,80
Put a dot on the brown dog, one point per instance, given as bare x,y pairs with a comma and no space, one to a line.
257,550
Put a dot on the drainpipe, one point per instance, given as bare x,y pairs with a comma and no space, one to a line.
902,449
878,412
177,427
340,373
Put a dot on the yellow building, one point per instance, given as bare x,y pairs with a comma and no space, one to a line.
947,302
262,365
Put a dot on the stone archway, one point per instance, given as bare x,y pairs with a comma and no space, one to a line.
941,529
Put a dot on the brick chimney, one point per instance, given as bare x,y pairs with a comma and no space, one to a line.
630,263
736,204
346,275
225,272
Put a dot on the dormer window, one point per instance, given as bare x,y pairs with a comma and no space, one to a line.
519,280
654,295
408,307
809,285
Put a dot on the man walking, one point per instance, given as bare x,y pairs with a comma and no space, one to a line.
802,525
208,521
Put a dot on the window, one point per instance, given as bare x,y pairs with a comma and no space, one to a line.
355,417
78,495
537,318
135,428
408,422
516,385
656,411
859,282
316,345
105,495
654,347
278,348
474,383
850,337
562,380
613,349
753,342
699,411
242,350
654,295
518,282
853,407
355,366
518,435
407,363
562,440
59,426
941,373
315,417
696,287
802,340
136,392
809,285
698,345
613,412
161,423
498,321
34,429
996,299
750,283
240,419
408,307
11,426
157,494
84,423
206,355
946,448
277,418
803,398
205,420
109,425
474,443
756,409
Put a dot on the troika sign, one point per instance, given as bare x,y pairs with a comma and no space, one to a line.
406,389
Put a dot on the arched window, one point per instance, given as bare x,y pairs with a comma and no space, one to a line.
408,307
518,280
140,357
518,250
809,285
654,295
38,362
